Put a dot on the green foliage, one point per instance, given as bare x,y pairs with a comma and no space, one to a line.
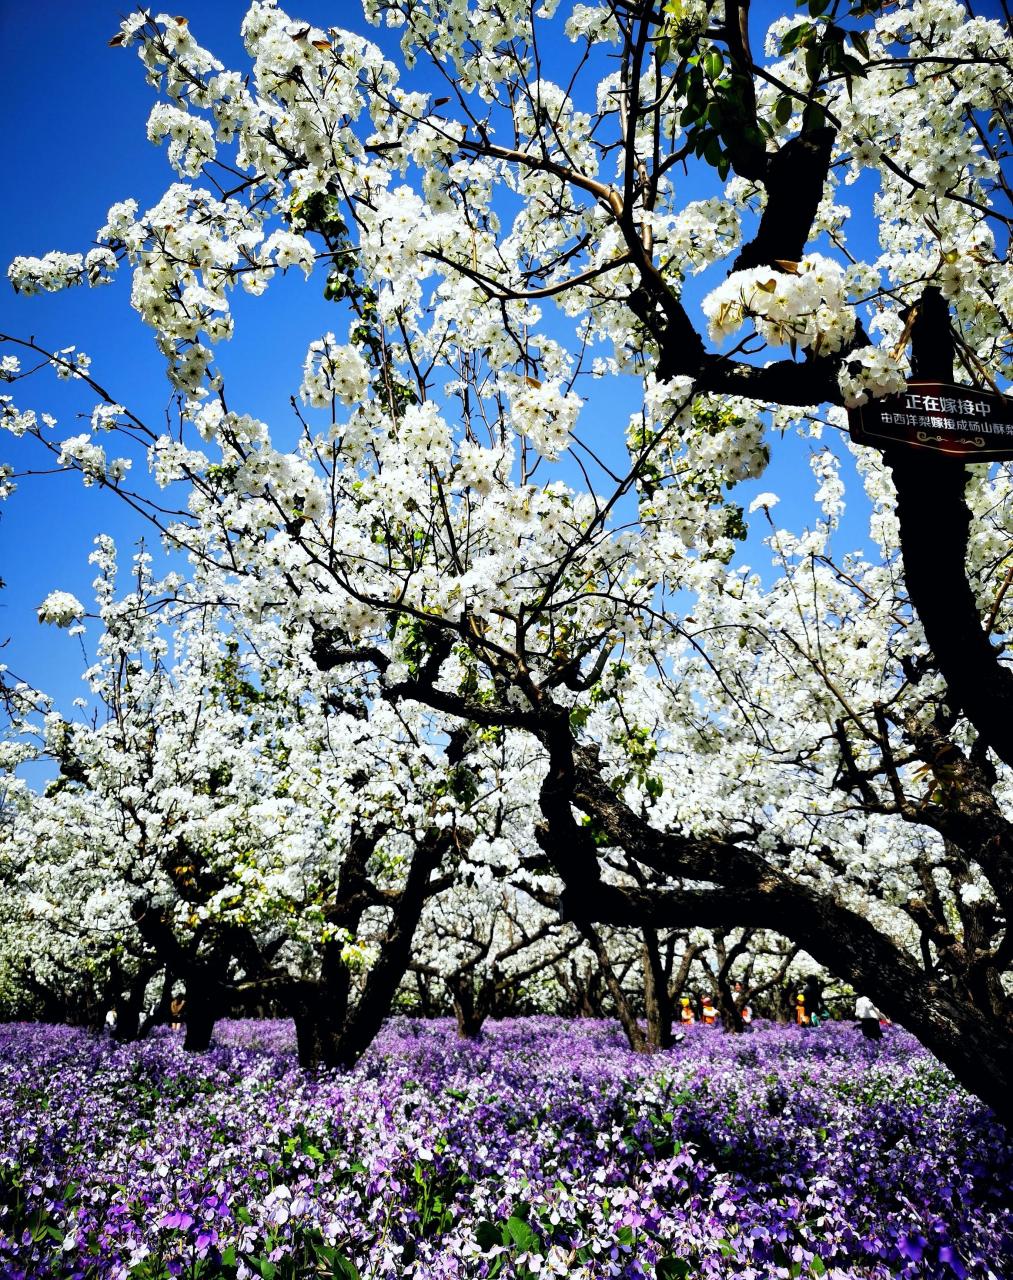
515,1235
719,116
672,1268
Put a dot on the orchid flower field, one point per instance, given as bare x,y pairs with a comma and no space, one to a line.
544,1148
527,486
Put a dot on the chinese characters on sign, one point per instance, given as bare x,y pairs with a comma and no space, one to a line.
962,421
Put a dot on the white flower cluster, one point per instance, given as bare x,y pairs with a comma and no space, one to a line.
20,421
702,233
60,608
804,304
480,469
333,371
52,272
868,373
542,413
287,249
423,435
592,22
90,458
70,363
191,140
100,265
105,417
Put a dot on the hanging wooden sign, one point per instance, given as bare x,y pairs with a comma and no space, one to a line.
976,426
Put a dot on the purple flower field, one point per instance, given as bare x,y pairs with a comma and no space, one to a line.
546,1149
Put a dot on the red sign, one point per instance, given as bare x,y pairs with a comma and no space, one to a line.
962,421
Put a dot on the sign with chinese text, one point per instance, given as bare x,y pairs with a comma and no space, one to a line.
962,421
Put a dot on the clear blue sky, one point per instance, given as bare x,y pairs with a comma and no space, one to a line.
74,113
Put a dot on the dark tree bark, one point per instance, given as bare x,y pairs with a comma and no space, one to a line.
750,892
728,1007
468,1011
316,1034
129,1006
635,1036
329,1031
202,1010
677,980
934,525
161,1011
657,1004
794,180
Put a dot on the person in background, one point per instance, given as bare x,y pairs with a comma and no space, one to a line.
710,1014
801,1017
868,1017
686,1015
176,1011
816,1006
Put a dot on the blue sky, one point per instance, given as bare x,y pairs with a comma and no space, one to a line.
75,113
75,137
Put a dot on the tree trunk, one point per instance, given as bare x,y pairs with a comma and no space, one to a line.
316,1036
200,1015
934,523
329,1031
731,1015
977,1048
656,1001
130,1007
161,1011
634,1032
466,1009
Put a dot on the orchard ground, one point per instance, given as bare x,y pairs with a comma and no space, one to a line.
544,1148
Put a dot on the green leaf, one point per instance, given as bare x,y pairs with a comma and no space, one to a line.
713,63
672,1268
488,1235
522,1235
818,1267
783,109
796,36
861,42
